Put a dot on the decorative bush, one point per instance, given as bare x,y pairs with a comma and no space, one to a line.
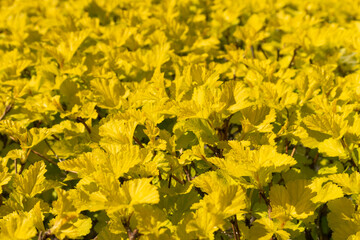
179,119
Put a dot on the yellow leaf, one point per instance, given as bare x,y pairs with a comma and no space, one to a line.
212,181
292,201
204,224
5,177
259,165
140,191
265,228
73,227
17,226
110,92
32,180
350,184
342,218
118,130
333,148
324,193
122,158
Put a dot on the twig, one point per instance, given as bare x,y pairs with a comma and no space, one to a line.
169,184
81,120
215,150
160,178
277,54
132,234
320,233
293,151
252,51
7,109
263,52
177,179
188,176
22,167
293,57
235,228
44,235
267,201
234,231
15,162
43,157
213,167
286,145
52,150
55,137
351,153
138,142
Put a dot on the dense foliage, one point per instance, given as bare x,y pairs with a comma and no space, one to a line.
179,119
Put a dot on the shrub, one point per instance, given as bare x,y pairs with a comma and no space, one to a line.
179,119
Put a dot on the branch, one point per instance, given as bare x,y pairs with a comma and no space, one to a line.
15,162
188,176
52,150
43,157
252,51
132,234
44,235
277,54
262,50
138,142
177,179
235,228
267,201
293,57
80,119
213,167
293,151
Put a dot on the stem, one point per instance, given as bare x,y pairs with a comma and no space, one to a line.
45,235
252,51
267,201
293,57
215,150
138,142
352,155
22,167
213,167
132,234
186,170
169,184
43,157
177,179
80,119
318,222
15,162
293,151
55,137
7,109
277,54
52,150
237,226
234,229
262,50
287,143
